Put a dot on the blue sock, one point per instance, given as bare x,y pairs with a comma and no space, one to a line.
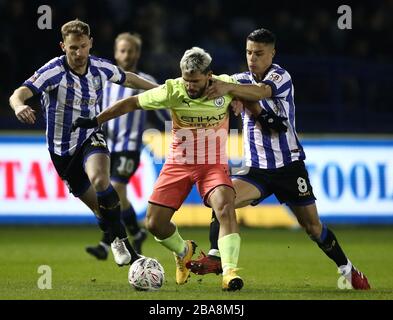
329,244
129,218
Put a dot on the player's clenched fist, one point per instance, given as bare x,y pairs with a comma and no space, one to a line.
86,123
25,114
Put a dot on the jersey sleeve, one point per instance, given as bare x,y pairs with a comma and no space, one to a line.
118,76
241,78
113,73
280,81
162,97
46,78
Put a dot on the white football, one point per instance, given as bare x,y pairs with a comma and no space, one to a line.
146,274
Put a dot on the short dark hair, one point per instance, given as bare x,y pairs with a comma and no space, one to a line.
262,36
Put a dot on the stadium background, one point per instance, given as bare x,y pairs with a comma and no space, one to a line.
343,83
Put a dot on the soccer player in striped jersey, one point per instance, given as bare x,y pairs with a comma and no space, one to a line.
70,86
197,156
124,138
274,156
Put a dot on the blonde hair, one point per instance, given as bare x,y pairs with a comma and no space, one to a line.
195,59
133,38
76,27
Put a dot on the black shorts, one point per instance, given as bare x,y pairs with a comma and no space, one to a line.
71,169
123,165
290,184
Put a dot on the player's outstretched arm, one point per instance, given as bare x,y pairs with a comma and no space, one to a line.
119,108
23,112
251,92
116,110
134,81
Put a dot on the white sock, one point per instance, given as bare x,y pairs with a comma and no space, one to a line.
214,252
345,270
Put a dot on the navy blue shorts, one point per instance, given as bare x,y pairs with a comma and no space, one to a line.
71,169
290,184
123,165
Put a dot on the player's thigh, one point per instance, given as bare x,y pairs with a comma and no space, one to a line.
95,156
212,178
71,171
97,167
246,193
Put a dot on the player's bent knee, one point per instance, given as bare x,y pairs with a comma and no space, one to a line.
221,197
99,182
314,229
225,212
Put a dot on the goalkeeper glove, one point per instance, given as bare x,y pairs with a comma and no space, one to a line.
86,123
272,121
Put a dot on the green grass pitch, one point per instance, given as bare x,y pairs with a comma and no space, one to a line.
276,264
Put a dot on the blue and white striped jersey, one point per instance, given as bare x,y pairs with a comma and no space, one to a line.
263,148
66,95
125,132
